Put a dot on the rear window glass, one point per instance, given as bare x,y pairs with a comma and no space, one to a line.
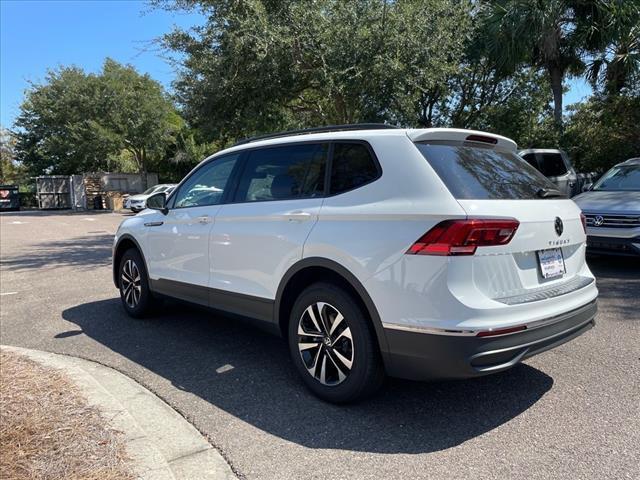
477,172
552,165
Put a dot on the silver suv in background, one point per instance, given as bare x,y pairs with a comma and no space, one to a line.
612,209
556,166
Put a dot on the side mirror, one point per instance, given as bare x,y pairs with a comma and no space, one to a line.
587,186
158,201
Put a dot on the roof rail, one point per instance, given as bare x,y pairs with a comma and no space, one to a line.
328,128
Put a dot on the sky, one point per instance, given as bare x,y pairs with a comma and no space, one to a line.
39,35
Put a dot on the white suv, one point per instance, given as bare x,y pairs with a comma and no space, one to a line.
428,253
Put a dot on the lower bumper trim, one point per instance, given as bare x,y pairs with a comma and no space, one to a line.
421,356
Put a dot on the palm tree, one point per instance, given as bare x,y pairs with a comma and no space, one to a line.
541,33
613,43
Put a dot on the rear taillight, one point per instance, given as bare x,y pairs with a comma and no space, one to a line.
462,237
583,219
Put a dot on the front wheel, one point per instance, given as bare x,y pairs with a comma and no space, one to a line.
134,284
333,346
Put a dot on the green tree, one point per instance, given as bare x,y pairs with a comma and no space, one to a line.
137,113
59,128
77,122
613,41
538,33
603,131
11,171
258,65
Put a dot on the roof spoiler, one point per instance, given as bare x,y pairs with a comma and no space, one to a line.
461,135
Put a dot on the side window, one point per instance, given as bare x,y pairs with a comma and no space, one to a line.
552,165
207,185
352,167
530,158
282,173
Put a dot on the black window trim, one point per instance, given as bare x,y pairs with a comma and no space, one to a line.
229,196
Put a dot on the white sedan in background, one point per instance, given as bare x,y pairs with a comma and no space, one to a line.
137,203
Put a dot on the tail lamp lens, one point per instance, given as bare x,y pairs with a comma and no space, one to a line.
462,237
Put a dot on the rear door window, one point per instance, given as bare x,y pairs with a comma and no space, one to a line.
552,164
352,166
283,173
478,172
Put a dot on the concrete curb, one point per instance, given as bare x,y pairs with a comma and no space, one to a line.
161,442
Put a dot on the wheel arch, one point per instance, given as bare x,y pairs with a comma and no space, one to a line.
125,242
315,269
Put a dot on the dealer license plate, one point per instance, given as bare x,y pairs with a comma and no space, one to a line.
551,263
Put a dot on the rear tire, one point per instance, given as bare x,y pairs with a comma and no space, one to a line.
133,283
333,345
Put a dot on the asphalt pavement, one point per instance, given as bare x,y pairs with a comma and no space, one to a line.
573,412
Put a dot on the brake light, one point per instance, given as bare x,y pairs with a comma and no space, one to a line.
462,237
583,219
482,138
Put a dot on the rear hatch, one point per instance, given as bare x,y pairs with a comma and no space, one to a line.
541,253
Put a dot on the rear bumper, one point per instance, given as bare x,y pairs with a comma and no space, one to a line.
422,356
613,245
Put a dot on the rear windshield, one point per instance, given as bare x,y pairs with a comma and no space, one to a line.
483,173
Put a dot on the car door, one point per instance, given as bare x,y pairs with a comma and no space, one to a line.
177,245
261,234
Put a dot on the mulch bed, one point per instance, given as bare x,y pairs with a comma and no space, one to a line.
49,431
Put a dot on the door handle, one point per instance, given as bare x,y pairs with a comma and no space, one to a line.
298,216
204,219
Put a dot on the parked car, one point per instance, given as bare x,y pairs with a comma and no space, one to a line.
421,254
557,167
137,203
612,209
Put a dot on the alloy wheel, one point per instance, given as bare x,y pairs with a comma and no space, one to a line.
325,343
130,281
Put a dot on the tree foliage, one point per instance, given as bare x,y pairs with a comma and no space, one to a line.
604,131
259,66
11,171
256,65
78,122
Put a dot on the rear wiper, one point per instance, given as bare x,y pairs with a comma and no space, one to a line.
550,193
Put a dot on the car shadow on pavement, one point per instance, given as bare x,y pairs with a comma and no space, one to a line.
188,347
87,251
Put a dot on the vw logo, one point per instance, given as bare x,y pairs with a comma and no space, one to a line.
598,220
559,226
